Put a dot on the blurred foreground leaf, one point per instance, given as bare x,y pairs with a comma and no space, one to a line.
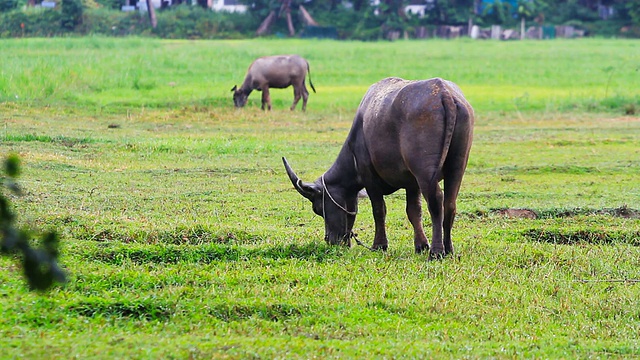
39,263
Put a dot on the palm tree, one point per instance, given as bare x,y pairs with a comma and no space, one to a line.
526,11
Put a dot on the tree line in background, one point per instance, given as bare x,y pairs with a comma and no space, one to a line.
355,19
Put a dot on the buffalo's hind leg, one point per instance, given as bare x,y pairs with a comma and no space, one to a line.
435,198
452,182
305,96
414,213
297,94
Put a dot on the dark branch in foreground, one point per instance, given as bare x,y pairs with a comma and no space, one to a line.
40,264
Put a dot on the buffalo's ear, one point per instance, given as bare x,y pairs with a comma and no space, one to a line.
234,87
308,190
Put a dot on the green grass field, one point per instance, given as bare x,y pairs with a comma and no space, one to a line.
183,237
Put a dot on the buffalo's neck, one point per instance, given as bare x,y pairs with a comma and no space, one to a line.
343,172
247,86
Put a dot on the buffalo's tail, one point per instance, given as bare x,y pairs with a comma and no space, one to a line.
310,83
451,114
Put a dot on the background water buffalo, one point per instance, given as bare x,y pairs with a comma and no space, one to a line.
277,72
406,134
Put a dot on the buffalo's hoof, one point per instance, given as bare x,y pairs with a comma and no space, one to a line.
436,255
379,247
422,248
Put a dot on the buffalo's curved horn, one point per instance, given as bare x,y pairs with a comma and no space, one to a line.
234,88
305,189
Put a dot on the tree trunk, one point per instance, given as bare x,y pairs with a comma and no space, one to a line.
292,31
266,24
307,17
522,28
152,14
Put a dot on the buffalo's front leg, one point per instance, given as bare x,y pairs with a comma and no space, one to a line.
414,213
379,214
266,98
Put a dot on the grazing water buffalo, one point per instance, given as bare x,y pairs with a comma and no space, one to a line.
406,134
275,72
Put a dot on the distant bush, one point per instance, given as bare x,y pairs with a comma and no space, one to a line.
113,23
111,4
8,5
71,14
195,22
31,22
612,28
178,22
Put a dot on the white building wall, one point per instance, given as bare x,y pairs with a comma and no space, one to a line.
219,5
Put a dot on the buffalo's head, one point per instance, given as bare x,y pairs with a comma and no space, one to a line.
332,202
239,97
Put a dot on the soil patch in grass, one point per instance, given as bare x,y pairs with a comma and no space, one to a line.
621,212
576,237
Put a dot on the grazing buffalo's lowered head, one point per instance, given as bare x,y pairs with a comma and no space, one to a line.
337,207
239,97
